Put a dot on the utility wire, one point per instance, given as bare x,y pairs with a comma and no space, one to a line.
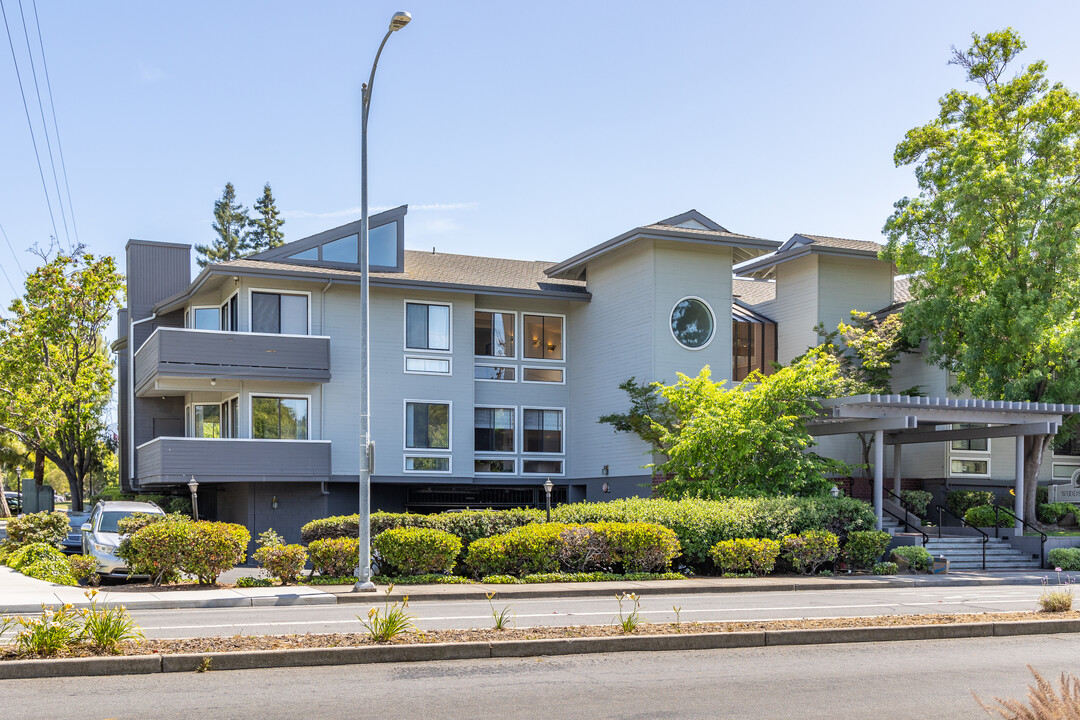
4,233
29,123
56,127
45,126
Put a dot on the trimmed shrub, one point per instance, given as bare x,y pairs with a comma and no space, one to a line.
137,521
810,550
1042,495
334,557
583,550
528,549
915,557
917,500
865,547
42,527
43,561
471,525
338,526
166,548
885,568
1065,558
215,547
157,550
640,546
285,562
983,516
83,568
416,551
745,555
1050,513
960,501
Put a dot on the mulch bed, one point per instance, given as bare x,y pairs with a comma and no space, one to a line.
328,640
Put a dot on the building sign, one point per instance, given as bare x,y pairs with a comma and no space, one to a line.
1069,493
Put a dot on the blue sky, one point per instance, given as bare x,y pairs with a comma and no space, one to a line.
525,130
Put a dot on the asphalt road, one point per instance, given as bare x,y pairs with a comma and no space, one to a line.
925,680
434,615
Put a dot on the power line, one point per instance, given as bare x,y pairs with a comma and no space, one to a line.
30,124
45,126
4,233
56,126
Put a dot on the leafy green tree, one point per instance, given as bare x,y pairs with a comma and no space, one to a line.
992,238
649,416
230,220
750,438
55,370
264,230
14,459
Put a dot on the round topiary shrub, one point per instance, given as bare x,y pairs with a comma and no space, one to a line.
416,551
865,547
334,557
640,546
810,550
746,555
525,550
285,562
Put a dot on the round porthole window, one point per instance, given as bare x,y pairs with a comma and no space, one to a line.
692,323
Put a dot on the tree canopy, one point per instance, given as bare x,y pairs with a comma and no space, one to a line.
55,371
230,221
991,240
264,230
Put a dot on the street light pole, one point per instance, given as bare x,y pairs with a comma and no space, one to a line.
547,491
363,570
193,486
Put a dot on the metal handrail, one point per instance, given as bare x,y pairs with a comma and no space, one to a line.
1042,535
986,538
902,504
925,537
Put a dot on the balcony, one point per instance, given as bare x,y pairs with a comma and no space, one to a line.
184,353
174,460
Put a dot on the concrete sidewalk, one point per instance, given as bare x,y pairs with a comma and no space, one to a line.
22,594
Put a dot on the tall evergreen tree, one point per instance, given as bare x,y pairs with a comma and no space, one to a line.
265,232
230,220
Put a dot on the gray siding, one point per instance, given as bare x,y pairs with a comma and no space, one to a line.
170,460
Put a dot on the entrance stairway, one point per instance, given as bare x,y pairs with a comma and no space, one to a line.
965,553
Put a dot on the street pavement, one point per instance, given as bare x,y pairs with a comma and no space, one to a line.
928,680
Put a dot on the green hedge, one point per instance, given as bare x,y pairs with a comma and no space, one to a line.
416,551
1064,558
810,550
43,527
43,561
865,547
917,557
917,500
960,501
468,525
528,549
983,516
204,549
745,555
1052,512
334,557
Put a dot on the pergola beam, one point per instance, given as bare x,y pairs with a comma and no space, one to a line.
927,436
907,422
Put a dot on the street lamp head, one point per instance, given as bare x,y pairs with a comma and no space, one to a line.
548,486
192,485
400,20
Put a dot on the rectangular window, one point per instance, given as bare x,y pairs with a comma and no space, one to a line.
274,418
1070,446
543,337
970,467
493,465
427,366
541,467
532,374
279,313
494,334
503,373
543,431
427,464
427,425
494,429
234,417
230,311
206,319
975,444
207,421
427,327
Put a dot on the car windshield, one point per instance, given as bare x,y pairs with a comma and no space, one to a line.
110,520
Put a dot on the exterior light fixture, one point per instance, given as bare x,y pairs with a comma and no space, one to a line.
213,381
835,492
273,502
604,471
605,488
193,486
547,491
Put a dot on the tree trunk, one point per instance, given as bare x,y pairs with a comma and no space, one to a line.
76,484
5,511
39,473
1034,447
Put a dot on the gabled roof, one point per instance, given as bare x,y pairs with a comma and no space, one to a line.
801,245
753,292
681,228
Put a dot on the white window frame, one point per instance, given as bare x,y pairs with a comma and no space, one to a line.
236,294
534,456
709,307
969,455
542,382
405,326
499,454
985,459
526,455
239,402
565,335
517,372
191,317
435,456
287,396
276,291
518,325
444,358
449,428
501,458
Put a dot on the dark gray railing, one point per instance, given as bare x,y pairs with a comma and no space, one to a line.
986,538
1042,535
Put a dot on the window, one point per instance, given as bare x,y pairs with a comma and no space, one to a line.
207,421
541,467
494,334
547,375
206,318
692,323
309,254
753,347
230,313
427,366
427,327
343,250
502,373
276,418
543,431
543,337
383,246
493,465
279,313
974,444
494,429
1070,446
970,467
427,426
424,463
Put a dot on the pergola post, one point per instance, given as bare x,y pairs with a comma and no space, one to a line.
879,473
1018,501
896,467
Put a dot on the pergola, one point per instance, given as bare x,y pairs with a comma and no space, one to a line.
898,420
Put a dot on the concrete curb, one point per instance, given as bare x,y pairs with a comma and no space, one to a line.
184,604
311,657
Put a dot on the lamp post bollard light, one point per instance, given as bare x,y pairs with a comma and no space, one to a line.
363,570
194,488
547,491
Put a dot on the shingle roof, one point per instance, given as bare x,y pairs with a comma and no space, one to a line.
699,231
844,243
753,292
439,269
901,289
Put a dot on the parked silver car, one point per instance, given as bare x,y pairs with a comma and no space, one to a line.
100,536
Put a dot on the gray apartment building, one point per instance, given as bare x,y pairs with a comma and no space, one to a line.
488,375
